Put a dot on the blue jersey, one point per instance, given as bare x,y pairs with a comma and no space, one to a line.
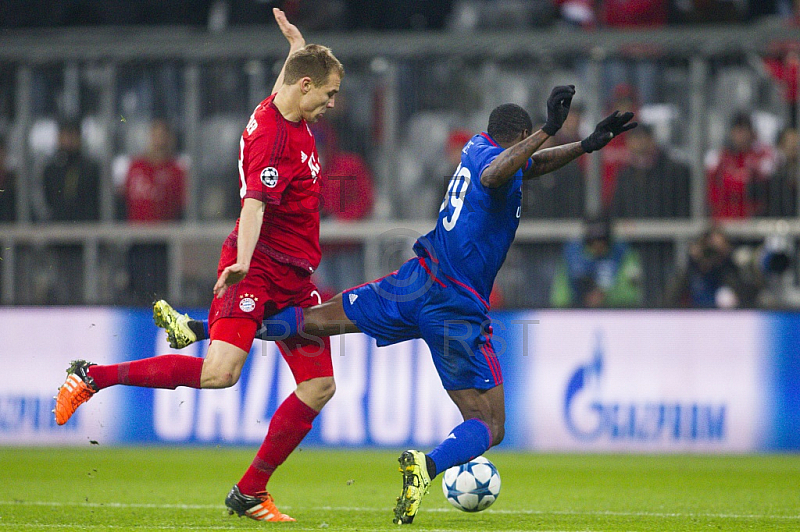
476,224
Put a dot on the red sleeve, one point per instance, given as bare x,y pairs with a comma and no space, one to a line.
713,190
180,187
266,178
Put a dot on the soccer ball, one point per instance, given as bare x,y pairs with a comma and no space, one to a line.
473,486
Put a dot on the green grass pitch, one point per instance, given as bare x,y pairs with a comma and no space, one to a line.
157,488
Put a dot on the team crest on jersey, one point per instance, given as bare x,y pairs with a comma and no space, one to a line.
247,302
269,176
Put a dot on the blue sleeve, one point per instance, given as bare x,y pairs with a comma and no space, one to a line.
481,157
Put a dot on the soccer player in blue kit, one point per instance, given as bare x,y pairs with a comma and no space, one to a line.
441,295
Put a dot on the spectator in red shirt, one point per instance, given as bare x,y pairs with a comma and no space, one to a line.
633,13
616,155
783,66
154,191
737,171
347,195
156,180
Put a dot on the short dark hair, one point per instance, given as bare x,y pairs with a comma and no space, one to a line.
507,121
742,119
315,61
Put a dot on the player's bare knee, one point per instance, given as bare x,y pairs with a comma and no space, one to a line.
496,427
498,432
222,380
216,377
316,392
324,389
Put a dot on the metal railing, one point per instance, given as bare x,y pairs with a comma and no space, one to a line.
375,236
377,58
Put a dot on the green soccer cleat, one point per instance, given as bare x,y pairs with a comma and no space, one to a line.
179,333
416,482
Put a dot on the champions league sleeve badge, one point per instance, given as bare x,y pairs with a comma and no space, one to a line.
269,177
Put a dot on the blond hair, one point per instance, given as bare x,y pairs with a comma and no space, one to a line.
314,61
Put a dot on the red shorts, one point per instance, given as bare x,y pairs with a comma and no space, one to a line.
269,287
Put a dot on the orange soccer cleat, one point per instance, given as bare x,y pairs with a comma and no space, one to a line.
76,390
260,507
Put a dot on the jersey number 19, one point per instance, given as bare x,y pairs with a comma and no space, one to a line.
456,191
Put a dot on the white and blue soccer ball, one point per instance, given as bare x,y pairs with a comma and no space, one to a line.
473,486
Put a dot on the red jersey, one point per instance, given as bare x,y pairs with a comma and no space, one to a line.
279,165
614,157
155,191
629,13
731,177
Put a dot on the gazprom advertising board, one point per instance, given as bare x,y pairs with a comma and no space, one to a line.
615,381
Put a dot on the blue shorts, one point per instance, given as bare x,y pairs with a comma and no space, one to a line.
411,303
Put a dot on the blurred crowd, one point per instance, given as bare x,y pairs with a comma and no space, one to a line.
600,270
152,188
399,15
749,171
746,177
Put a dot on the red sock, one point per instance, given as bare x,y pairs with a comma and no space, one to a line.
288,427
168,371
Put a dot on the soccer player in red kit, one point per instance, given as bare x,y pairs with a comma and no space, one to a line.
265,266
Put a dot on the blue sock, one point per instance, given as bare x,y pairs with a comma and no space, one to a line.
470,439
282,325
205,329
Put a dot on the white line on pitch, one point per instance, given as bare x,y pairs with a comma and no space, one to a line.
167,527
424,510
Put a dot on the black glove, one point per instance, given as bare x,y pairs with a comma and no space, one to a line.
611,126
558,108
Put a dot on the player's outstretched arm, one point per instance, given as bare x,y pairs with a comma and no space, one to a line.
250,220
293,35
611,126
554,158
510,160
